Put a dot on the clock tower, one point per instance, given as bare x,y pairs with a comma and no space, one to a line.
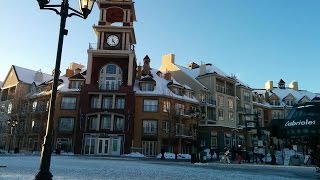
107,97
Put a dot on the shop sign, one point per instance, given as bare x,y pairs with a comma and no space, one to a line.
306,122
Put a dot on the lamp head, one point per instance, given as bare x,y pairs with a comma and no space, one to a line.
43,2
86,7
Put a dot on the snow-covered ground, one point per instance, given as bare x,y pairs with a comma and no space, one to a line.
83,168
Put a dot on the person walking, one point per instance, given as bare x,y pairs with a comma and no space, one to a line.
226,155
162,154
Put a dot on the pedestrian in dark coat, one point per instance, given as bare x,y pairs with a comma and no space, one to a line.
162,154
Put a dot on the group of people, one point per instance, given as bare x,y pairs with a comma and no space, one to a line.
234,155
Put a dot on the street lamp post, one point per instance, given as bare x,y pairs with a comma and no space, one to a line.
200,115
11,124
85,9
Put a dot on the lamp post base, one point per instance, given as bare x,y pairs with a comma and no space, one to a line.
43,175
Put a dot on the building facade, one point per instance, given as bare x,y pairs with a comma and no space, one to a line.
107,97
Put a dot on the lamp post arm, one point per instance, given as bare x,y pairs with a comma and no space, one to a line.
51,7
75,13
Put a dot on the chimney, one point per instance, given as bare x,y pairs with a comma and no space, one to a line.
69,72
203,69
146,65
268,85
294,85
38,76
74,66
139,72
77,71
168,59
266,96
167,76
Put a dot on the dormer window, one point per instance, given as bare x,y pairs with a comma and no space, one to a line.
147,86
176,90
76,85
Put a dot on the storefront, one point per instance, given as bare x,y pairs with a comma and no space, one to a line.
300,131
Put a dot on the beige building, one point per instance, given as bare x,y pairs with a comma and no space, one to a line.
218,96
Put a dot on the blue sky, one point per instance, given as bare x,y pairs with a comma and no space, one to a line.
257,40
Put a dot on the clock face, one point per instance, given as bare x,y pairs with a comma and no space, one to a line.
113,40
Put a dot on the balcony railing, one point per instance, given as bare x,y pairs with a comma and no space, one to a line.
114,86
184,132
150,130
96,46
68,105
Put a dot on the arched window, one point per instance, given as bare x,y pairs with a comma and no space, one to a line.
110,77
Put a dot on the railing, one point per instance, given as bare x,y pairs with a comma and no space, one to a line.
114,86
68,105
150,130
96,46
150,108
209,101
184,132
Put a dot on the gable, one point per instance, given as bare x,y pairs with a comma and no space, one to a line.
11,79
289,97
304,99
274,97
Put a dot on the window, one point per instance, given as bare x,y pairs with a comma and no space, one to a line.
118,123
106,122
221,114
24,108
150,105
230,103
220,100
227,141
179,109
93,123
68,103
231,116
247,108
147,87
246,96
95,103
176,90
120,103
76,85
111,69
275,102
9,108
107,102
110,77
66,124
166,106
289,102
34,106
166,127
149,126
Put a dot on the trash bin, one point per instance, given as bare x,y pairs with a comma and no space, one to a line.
193,158
203,157
16,150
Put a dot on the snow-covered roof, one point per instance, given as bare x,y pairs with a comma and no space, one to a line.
161,88
28,76
282,93
193,73
212,69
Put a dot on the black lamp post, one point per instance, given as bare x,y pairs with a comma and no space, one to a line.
200,115
85,9
12,124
